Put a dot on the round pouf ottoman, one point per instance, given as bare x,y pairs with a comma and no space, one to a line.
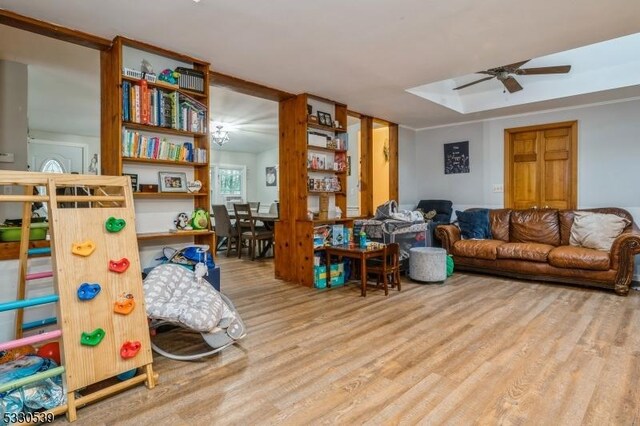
428,264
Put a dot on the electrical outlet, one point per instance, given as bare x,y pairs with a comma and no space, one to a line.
498,187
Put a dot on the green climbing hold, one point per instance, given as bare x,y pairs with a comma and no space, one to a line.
449,265
93,338
115,225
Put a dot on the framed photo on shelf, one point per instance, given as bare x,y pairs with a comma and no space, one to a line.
172,181
134,181
324,119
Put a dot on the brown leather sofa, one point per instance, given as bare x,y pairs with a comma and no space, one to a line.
534,244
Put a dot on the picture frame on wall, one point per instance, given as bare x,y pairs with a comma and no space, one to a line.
456,158
172,181
271,176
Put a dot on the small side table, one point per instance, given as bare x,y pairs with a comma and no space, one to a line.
428,264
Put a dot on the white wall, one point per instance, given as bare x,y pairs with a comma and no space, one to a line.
13,124
407,184
353,181
608,153
263,193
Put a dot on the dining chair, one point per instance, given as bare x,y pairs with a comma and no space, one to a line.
273,208
247,230
388,271
255,206
224,229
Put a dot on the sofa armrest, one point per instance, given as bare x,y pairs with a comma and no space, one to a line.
448,234
623,252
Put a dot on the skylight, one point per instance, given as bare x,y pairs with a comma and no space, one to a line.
601,66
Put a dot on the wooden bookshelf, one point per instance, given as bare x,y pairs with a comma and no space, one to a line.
160,235
324,149
163,162
168,195
318,126
159,129
294,231
126,53
336,172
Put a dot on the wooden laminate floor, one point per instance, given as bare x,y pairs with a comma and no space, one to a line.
477,350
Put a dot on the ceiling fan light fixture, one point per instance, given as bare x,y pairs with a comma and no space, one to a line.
220,137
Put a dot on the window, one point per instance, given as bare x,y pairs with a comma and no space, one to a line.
51,165
230,181
229,184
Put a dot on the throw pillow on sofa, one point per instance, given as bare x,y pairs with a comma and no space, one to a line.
596,230
474,224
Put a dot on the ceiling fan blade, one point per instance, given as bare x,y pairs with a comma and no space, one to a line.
513,67
511,84
560,69
473,82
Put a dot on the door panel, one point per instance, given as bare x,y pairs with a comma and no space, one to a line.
556,144
524,182
540,166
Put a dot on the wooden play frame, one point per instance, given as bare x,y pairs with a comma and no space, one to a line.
82,217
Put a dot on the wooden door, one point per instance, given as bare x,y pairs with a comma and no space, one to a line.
541,166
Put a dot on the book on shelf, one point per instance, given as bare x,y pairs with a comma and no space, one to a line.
325,184
161,107
137,145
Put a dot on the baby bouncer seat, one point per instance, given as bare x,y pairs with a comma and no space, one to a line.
175,295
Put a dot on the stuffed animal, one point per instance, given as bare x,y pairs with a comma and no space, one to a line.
200,219
182,221
200,271
169,76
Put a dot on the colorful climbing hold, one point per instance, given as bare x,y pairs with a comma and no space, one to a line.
119,266
130,349
93,338
83,249
124,307
88,291
127,374
115,225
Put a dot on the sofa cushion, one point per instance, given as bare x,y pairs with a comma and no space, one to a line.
535,226
579,257
534,252
499,224
596,230
481,249
474,223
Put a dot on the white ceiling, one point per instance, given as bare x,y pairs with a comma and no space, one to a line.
252,122
63,82
362,53
597,67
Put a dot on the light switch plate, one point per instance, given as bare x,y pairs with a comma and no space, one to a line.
6,157
498,187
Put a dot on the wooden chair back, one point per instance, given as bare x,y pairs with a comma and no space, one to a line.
244,218
223,225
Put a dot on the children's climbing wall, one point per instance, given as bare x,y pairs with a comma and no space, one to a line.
98,275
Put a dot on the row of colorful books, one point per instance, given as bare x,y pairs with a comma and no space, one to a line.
157,107
136,145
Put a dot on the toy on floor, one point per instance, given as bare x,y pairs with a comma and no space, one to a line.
174,295
50,350
16,353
